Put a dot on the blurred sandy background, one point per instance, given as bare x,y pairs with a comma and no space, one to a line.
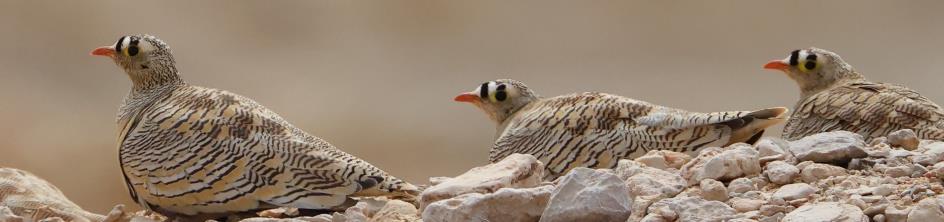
377,78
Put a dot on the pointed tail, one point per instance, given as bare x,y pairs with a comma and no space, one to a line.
750,127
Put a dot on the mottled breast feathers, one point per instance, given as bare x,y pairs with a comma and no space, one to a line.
596,130
196,150
870,109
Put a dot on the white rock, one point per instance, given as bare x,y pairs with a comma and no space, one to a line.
794,191
817,171
741,185
713,190
883,190
828,147
904,138
396,211
899,171
780,172
515,171
647,181
506,204
770,149
589,195
691,209
929,209
934,154
896,213
664,159
826,212
744,204
722,164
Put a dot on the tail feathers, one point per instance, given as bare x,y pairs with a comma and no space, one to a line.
389,187
750,127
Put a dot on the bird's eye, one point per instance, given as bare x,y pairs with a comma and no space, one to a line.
132,50
809,64
499,95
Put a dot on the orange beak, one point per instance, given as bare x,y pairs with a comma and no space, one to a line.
777,64
104,51
468,97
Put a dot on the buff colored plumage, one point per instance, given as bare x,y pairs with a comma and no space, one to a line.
833,96
187,150
598,129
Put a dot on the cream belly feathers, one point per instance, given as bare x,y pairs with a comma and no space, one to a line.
598,129
189,150
833,97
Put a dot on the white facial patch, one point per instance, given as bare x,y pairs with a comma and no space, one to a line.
145,46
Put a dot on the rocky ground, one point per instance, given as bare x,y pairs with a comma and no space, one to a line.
835,176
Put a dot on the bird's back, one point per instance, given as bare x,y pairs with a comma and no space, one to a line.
596,130
194,150
867,108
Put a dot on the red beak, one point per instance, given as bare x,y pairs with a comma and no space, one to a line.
776,64
467,97
104,51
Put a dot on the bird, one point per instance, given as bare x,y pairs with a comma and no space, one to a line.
595,130
35,199
187,151
833,96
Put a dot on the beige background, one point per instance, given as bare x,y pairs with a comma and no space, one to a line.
377,78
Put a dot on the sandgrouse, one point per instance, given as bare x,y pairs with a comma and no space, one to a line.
597,129
833,96
187,150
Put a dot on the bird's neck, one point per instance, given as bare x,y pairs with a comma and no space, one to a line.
843,78
144,80
145,89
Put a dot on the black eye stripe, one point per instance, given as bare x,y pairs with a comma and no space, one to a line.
500,87
120,41
811,57
794,56
483,90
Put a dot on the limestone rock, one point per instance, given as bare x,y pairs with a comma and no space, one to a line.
396,211
794,191
744,204
515,171
741,185
929,209
664,159
713,190
506,204
589,195
829,147
690,209
817,171
771,149
897,214
647,181
826,212
722,164
933,154
904,138
780,172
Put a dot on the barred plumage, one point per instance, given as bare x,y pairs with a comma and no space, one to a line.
597,129
833,96
189,150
